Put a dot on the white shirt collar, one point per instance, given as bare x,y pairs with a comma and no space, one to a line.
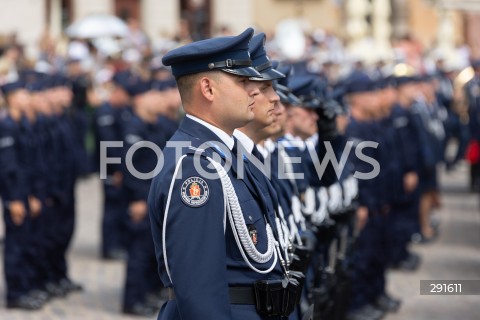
296,141
313,138
227,139
264,151
246,142
270,145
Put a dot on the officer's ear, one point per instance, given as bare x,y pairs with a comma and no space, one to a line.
206,88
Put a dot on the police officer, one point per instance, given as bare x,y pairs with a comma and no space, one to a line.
409,137
63,169
108,127
256,132
145,132
366,270
472,94
213,235
14,191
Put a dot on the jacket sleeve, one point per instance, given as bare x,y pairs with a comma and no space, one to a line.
107,130
192,246
12,175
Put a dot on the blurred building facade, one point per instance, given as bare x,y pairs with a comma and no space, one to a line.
431,22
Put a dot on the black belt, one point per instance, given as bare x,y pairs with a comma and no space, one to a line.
238,295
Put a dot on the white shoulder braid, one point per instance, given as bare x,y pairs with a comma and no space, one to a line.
239,228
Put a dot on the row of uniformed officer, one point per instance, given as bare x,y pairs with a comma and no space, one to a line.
134,115
235,243
220,246
38,175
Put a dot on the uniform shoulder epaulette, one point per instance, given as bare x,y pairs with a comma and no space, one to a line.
191,150
400,122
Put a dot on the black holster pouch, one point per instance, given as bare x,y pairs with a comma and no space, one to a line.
277,297
300,259
300,277
326,232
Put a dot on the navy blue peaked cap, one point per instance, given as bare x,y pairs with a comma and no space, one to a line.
36,86
405,80
287,70
305,88
359,82
229,54
126,80
162,85
140,87
12,87
281,85
29,76
260,60
58,80
389,81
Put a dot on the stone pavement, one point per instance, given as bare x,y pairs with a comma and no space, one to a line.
454,256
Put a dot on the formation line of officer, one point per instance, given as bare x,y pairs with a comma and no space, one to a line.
240,234
282,194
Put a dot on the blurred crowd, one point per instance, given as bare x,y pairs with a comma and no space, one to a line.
57,109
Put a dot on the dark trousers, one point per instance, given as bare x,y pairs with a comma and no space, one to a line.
114,219
38,248
59,234
368,267
402,223
17,270
142,276
455,129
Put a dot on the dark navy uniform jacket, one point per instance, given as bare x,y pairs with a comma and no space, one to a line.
293,148
66,162
195,248
108,127
144,159
472,93
428,155
407,144
285,188
358,132
13,177
31,155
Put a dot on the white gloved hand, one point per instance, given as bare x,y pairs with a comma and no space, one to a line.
335,200
309,202
350,188
320,215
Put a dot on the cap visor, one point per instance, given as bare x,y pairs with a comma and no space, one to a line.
283,96
292,99
244,72
311,103
269,75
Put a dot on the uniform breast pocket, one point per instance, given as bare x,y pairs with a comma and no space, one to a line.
256,226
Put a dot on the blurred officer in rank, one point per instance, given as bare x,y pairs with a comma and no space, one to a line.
108,127
142,136
14,193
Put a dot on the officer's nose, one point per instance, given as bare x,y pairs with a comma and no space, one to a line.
253,88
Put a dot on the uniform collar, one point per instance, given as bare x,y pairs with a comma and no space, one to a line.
263,151
313,138
224,137
246,142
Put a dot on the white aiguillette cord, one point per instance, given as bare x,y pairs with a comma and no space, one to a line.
237,223
240,231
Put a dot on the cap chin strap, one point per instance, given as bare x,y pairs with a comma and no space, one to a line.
230,63
263,66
